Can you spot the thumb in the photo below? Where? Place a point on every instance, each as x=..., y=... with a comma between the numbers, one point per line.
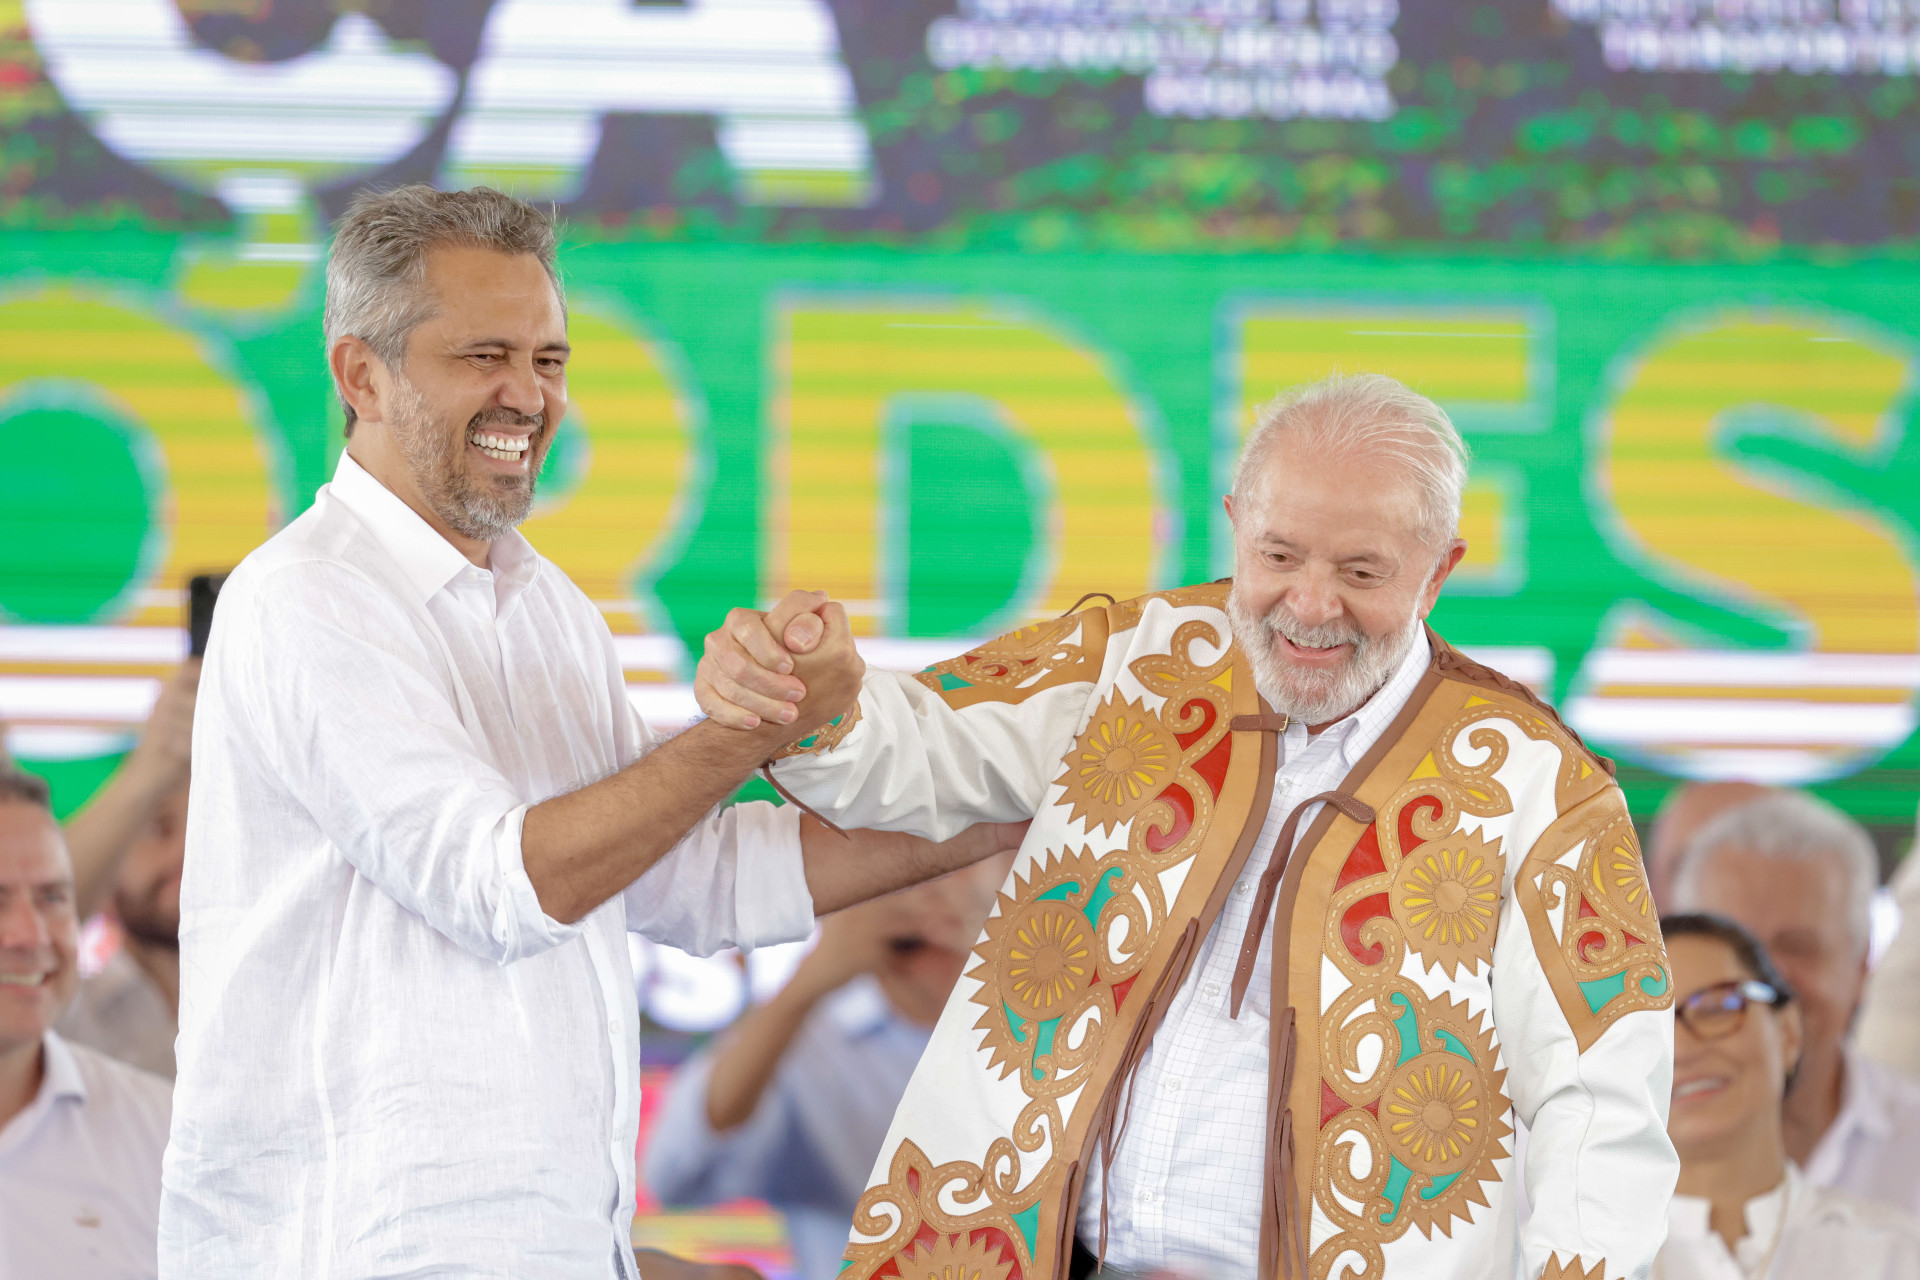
x=803, y=633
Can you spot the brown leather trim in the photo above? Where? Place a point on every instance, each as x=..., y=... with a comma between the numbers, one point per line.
x=1173, y=977
x=1272, y=1246
x=1450, y=662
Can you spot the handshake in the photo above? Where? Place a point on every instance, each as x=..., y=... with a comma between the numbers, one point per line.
x=780, y=674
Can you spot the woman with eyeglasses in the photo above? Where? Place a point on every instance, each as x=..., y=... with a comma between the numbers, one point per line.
x=1742, y=1211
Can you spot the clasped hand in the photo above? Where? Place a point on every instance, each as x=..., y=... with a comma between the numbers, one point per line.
x=782, y=673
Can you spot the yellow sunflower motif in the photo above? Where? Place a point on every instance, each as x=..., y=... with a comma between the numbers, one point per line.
x=1046, y=961
x=1620, y=881
x=954, y=1257
x=1446, y=898
x=1120, y=763
x=1435, y=1114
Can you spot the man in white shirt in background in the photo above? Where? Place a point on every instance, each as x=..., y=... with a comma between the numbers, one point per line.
x=80, y=1134
x=1800, y=875
x=424, y=816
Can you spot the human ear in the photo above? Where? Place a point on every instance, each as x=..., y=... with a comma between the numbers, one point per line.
x=357, y=375
x=1792, y=1040
x=1430, y=594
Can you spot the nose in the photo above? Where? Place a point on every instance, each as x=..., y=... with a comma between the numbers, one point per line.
x=22, y=928
x=1314, y=600
x=521, y=391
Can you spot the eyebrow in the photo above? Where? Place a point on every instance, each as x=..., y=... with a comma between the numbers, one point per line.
x=1275, y=540
x=563, y=345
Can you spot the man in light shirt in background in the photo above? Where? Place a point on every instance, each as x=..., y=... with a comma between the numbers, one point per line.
x=1800, y=875
x=80, y=1134
x=424, y=816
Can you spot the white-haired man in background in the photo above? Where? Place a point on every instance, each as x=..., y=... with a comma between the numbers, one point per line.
x=1313, y=910
x=1800, y=875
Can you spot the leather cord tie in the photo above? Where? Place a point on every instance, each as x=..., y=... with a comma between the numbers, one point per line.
x=766, y=771
x=1270, y=882
x=1265, y=722
x=1284, y=1187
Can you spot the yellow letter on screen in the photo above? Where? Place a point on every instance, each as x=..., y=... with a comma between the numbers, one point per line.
x=625, y=499
x=219, y=503
x=842, y=364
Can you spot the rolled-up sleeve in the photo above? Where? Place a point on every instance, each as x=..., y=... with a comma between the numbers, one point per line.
x=736, y=880
x=354, y=712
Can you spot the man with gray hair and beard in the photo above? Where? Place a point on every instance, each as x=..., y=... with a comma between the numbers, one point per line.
x=1312, y=913
x=1800, y=875
x=424, y=817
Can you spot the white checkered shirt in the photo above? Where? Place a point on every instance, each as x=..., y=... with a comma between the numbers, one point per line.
x=1185, y=1186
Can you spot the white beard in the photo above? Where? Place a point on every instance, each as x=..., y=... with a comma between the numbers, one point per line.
x=1306, y=695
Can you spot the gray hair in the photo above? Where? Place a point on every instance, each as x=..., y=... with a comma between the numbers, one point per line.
x=1790, y=824
x=1347, y=414
x=17, y=785
x=377, y=271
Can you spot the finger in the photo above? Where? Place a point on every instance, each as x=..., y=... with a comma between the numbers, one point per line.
x=791, y=606
x=775, y=709
x=720, y=711
x=756, y=634
x=740, y=666
x=804, y=632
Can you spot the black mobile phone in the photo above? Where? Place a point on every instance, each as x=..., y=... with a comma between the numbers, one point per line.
x=202, y=590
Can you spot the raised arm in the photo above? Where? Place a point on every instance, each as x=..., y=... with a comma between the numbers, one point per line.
x=976, y=739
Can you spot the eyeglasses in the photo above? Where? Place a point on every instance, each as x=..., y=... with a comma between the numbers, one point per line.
x=1720, y=1010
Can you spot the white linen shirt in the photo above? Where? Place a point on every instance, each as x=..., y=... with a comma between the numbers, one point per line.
x=1184, y=1189
x=392, y=1061
x=80, y=1171
x=1872, y=1148
x=1797, y=1231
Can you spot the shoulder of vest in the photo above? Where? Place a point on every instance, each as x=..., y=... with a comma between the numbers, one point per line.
x=1453, y=665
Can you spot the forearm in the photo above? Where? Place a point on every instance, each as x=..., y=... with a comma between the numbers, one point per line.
x=99, y=835
x=843, y=870
x=750, y=1053
x=582, y=848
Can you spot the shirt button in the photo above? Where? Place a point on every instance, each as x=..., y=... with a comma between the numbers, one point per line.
x=1173, y=1084
x=1241, y=888
x=1212, y=989
x=613, y=1026
x=1146, y=1195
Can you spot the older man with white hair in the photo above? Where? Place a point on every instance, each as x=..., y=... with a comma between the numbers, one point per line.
x=1800, y=875
x=1313, y=911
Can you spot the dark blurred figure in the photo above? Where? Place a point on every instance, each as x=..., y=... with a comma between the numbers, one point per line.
x=1800, y=875
x=81, y=1135
x=791, y=1105
x=1742, y=1210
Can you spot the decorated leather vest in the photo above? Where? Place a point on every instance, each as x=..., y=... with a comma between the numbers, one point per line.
x=1088, y=946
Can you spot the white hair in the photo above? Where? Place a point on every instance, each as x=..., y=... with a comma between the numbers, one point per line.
x=377, y=271
x=1346, y=415
x=1788, y=824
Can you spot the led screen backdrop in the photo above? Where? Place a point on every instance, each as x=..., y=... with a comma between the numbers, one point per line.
x=959, y=311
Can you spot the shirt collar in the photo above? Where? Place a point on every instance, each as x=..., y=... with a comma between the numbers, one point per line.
x=428, y=561
x=62, y=1078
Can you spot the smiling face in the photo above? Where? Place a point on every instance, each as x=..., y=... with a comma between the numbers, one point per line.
x=1726, y=1090
x=39, y=928
x=1331, y=576
x=460, y=431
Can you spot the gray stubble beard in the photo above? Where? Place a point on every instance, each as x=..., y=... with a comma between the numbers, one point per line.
x=478, y=511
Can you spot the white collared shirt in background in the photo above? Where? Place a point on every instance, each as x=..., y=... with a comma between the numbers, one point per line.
x=80, y=1171
x=1184, y=1191
x=1797, y=1231
x=1872, y=1149
x=391, y=1060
